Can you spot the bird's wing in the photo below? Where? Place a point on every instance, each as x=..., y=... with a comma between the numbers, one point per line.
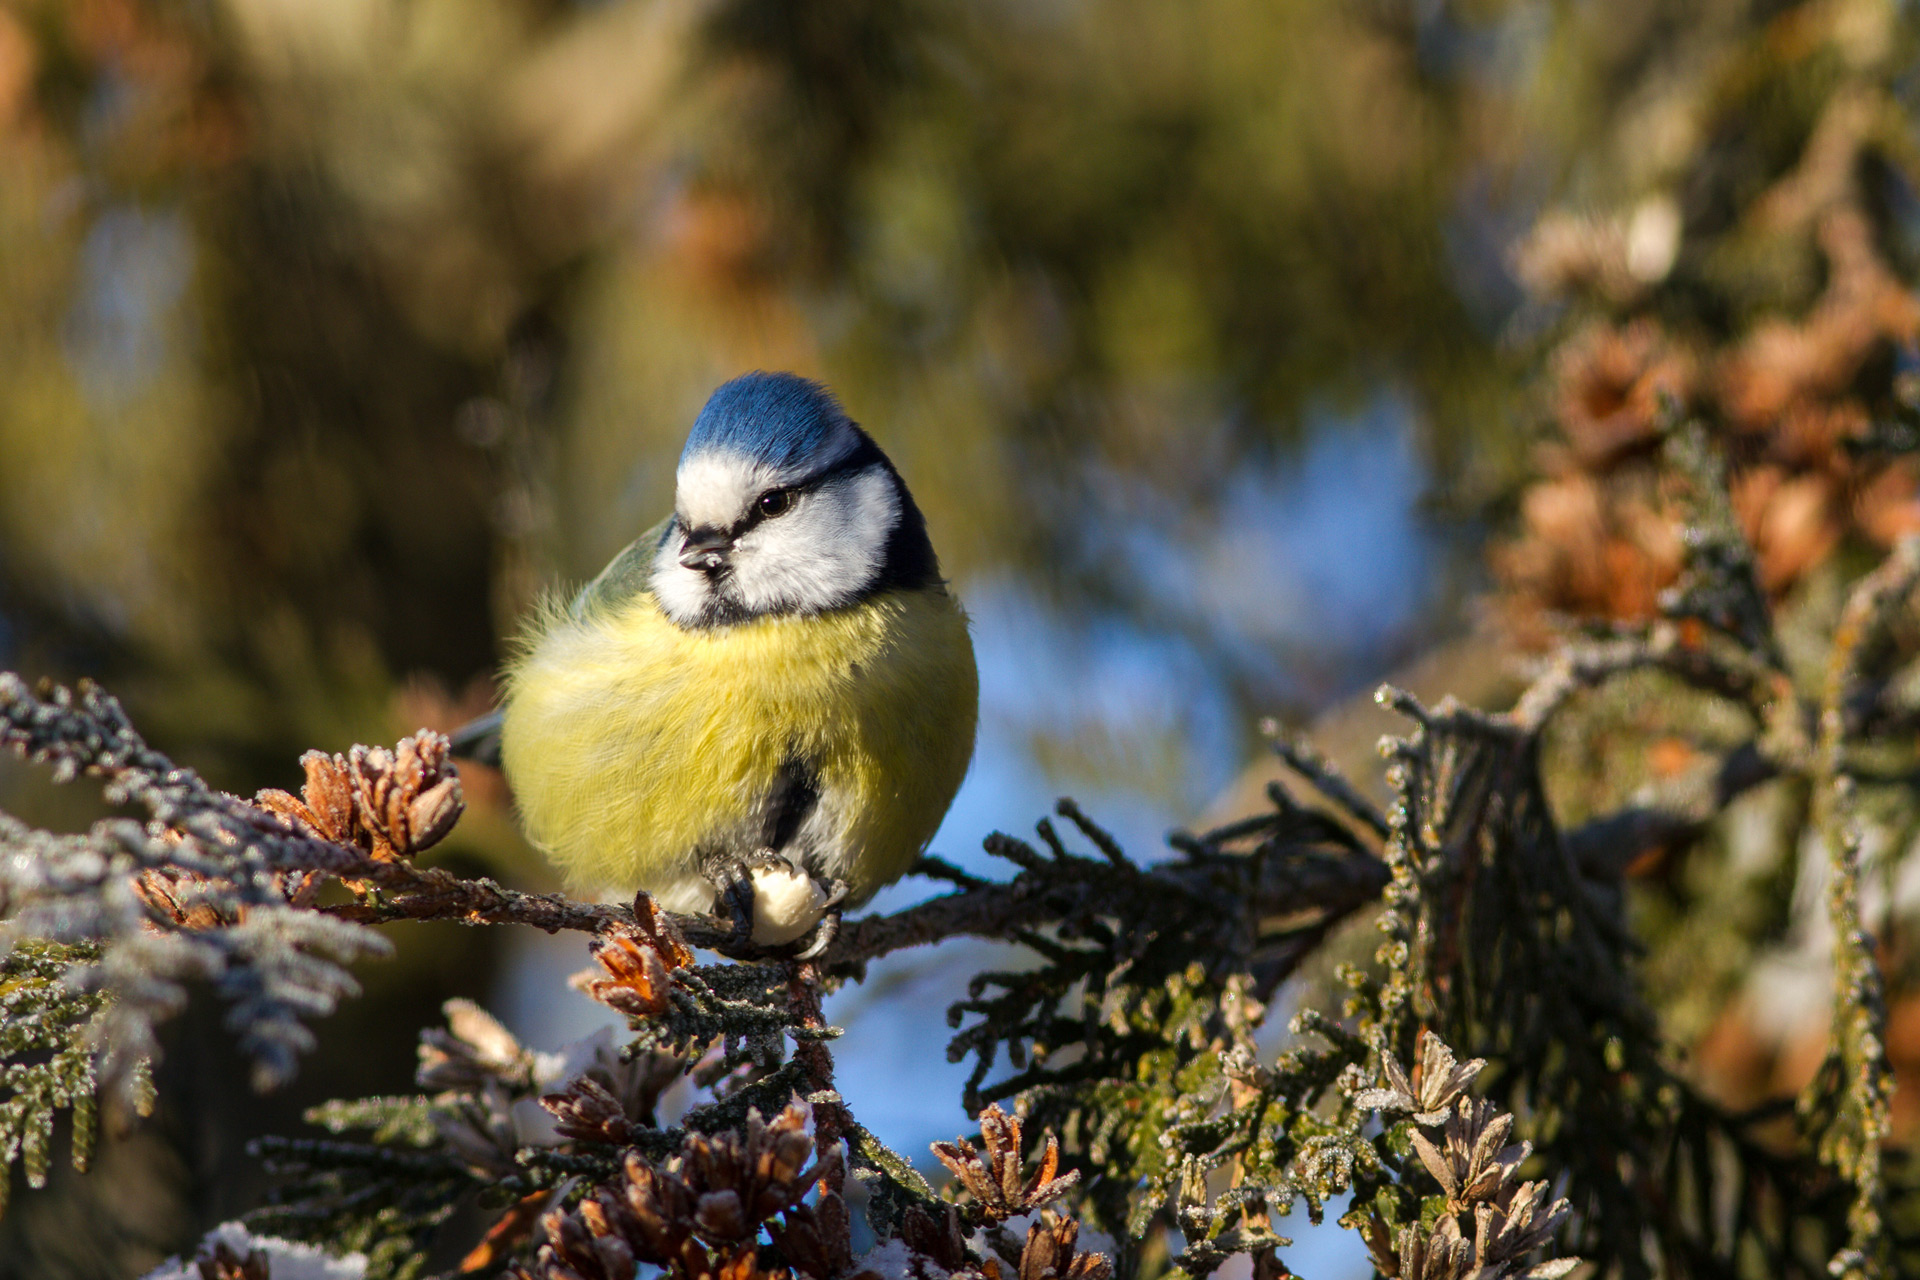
x=625, y=576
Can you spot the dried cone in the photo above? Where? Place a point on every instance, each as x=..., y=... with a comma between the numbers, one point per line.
x=699, y=1215
x=391, y=804
x=1782, y=364
x=941, y=1241
x=324, y=807
x=407, y=798
x=1612, y=384
x=223, y=1263
x=816, y=1239
x=474, y=1050
x=741, y=1180
x=638, y=963
x=1792, y=521
x=994, y=1179
x=1591, y=547
x=171, y=892
x=637, y=981
x=1050, y=1255
x=588, y=1112
x=1887, y=508
x=660, y=932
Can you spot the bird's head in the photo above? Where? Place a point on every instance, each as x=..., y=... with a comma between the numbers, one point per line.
x=783, y=505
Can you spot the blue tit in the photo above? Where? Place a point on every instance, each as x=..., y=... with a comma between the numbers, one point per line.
x=772, y=688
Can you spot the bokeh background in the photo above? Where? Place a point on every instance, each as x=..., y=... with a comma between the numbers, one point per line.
x=1240, y=352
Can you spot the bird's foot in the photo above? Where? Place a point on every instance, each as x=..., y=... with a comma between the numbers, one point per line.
x=732, y=875
x=771, y=904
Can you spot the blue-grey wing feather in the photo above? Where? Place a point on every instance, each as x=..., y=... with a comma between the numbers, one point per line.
x=627, y=575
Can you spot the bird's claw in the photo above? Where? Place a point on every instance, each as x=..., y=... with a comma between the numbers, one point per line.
x=815, y=942
x=738, y=897
x=732, y=878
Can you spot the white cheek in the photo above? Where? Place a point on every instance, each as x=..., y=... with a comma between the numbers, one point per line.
x=822, y=554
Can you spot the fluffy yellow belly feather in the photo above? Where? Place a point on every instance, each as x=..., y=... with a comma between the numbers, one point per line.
x=633, y=743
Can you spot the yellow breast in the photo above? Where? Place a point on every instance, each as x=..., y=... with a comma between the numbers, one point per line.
x=631, y=743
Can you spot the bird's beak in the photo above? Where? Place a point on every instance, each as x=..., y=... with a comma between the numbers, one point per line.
x=706, y=549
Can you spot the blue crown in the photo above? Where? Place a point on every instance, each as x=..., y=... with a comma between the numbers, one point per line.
x=777, y=419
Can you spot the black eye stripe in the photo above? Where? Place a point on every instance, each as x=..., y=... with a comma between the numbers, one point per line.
x=862, y=456
x=757, y=513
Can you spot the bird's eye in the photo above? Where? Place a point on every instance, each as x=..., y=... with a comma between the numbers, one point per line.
x=776, y=503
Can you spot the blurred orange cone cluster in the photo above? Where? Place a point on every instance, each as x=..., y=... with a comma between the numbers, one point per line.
x=1792, y=401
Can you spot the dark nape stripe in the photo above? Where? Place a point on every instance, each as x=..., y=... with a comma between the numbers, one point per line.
x=909, y=562
x=863, y=455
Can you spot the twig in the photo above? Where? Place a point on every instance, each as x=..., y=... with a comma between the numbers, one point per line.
x=1325, y=776
x=430, y=893
x=1732, y=674
x=1333, y=886
x=1102, y=841
x=1852, y=1141
x=830, y=1119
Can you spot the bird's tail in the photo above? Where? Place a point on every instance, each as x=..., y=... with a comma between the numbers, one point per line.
x=478, y=740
